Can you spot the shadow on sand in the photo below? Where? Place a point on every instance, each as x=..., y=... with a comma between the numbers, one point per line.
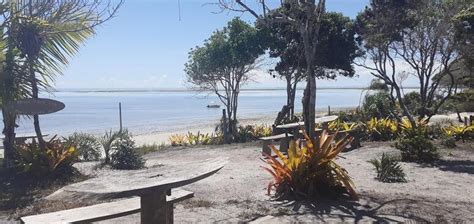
x=457, y=166
x=353, y=211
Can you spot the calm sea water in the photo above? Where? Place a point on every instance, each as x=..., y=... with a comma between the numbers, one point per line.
x=145, y=112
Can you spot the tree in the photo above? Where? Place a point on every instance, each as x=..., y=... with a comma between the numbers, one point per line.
x=418, y=34
x=305, y=16
x=337, y=48
x=223, y=63
x=40, y=36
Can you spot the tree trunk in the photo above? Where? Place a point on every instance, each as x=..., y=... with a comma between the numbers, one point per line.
x=309, y=106
x=9, y=119
x=9, y=140
x=35, y=93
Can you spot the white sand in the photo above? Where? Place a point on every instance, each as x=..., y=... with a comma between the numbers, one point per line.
x=237, y=193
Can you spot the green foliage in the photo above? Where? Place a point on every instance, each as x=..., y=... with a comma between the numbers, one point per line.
x=106, y=141
x=463, y=133
x=379, y=105
x=415, y=145
x=381, y=129
x=449, y=141
x=87, y=145
x=125, y=156
x=145, y=149
x=388, y=169
x=378, y=84
x=56, y=160
x=250, y=133
x=412, y=102
x=196, y=139
x=310, y=171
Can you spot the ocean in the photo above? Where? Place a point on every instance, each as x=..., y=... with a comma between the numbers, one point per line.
x=155, y=111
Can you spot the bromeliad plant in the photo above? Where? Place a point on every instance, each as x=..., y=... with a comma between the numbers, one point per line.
x=460, y=132
x=56, y=158
x=310, y=171
x=339, y=125
x=381, y=129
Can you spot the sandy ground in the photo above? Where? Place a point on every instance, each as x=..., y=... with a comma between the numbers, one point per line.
x=237, y=193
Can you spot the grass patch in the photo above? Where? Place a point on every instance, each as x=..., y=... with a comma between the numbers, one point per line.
x=145, y=149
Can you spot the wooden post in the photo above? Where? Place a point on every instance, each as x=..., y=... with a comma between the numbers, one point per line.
x=153, y=208
x=329, y=110
x=465, y=121
x=120, y=116
x=225, y=127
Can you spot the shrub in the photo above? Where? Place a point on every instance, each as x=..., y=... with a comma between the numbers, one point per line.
x=460, y=132
x=244, y=134
x=378, y=105
x=338, y=125
x=87, y=145
x=125, y=156
x=310, y=171
x=145, y=149
x=381, y=129
x=412, y=102
x=57, y=159
x=449, y=142
x=107, y=140
x=388, y=169
x=178, y=140
x=414, y=144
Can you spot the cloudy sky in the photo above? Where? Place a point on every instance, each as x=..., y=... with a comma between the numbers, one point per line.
x=147, y=44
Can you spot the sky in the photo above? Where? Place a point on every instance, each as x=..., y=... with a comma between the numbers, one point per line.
x=146, y=45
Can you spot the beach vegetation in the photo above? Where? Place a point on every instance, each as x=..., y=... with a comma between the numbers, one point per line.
x=57, y=160
x=107, y=141
x=463, y=132
x=388, y=169
x=337, y=48
x=338, y=125
x=310, y=171
x=223, y=64
x=38, y=38
x=414, y=143
x=88, y=146
x=149, y=148
x=178, y=140
x=414, y=33
x=379, y=105
x=383, y=129
x=125, y=156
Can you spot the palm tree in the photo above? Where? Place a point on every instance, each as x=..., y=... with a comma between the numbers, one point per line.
x=44, y=34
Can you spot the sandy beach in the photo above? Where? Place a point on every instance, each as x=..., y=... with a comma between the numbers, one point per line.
x=159, y=137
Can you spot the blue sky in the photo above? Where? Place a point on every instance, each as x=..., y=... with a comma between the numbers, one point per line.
x=146, y=46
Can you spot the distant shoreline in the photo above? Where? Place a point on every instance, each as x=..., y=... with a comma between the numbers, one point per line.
x=193, y=90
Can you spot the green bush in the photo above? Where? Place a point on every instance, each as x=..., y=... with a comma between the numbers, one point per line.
x=145, y=149
x=388, y=169
x=124, y=155
x=87, y=145
x=449, y=141
x=378, y=105
x=417, y=148
x=412, y=102
x=56, y=160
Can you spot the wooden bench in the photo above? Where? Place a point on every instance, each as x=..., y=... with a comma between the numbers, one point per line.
x=284, y=142
x=105, y=211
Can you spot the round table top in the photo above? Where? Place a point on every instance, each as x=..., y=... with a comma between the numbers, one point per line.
x=139, y=182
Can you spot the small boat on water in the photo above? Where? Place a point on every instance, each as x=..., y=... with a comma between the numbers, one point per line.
x=213, y=105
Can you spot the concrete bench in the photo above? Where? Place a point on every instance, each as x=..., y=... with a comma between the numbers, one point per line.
x=284, y=142
x=104, y=211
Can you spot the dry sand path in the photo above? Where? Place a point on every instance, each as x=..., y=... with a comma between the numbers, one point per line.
x=237, y=193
